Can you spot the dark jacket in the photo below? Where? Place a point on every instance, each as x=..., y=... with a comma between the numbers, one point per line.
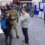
x=9, y=25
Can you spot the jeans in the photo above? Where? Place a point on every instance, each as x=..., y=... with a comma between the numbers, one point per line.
x=15, y=27
x=25, y=33
x=8, y=38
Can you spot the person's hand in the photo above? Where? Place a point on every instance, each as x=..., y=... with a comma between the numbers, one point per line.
x=12, y=18
x=12, y=30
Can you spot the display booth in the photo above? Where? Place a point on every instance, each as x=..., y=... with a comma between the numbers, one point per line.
x=0, y=29
x=41, y=10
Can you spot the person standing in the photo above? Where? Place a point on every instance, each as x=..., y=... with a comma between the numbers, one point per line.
x=6, y=26
x=14, y=17
x=24, y=23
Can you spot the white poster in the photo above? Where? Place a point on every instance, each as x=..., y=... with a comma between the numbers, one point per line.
x=41, y=5
x=37, y=6
x=3, y=3
x=44, y=6
x=0, y=29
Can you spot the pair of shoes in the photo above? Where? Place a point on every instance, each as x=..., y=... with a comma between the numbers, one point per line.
x=26, y=44
x=23, y=43
x=17, y=36
x=23, y=40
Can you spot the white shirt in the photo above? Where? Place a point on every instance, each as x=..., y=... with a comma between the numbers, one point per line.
x=25, y=20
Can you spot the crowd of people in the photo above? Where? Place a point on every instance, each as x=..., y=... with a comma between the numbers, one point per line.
x=9, y=20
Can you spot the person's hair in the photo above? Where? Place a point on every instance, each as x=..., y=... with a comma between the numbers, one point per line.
x=26, y=8
x=5, y=13
x=14, y=8
x=21, y=9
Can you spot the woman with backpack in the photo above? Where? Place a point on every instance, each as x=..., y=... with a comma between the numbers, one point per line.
x=6, y=26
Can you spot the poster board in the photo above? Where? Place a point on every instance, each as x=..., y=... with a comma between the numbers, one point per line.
x=41, y=5
x=44, y=7
x=3, y=3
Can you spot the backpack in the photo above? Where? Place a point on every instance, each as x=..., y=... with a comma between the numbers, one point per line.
x=3, y=23
x=9, y=23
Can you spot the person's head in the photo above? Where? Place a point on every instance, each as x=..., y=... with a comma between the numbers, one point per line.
x=24, y=9
x=14, y=8
x=27, y=9
x=6, y=14
x=3, y=14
